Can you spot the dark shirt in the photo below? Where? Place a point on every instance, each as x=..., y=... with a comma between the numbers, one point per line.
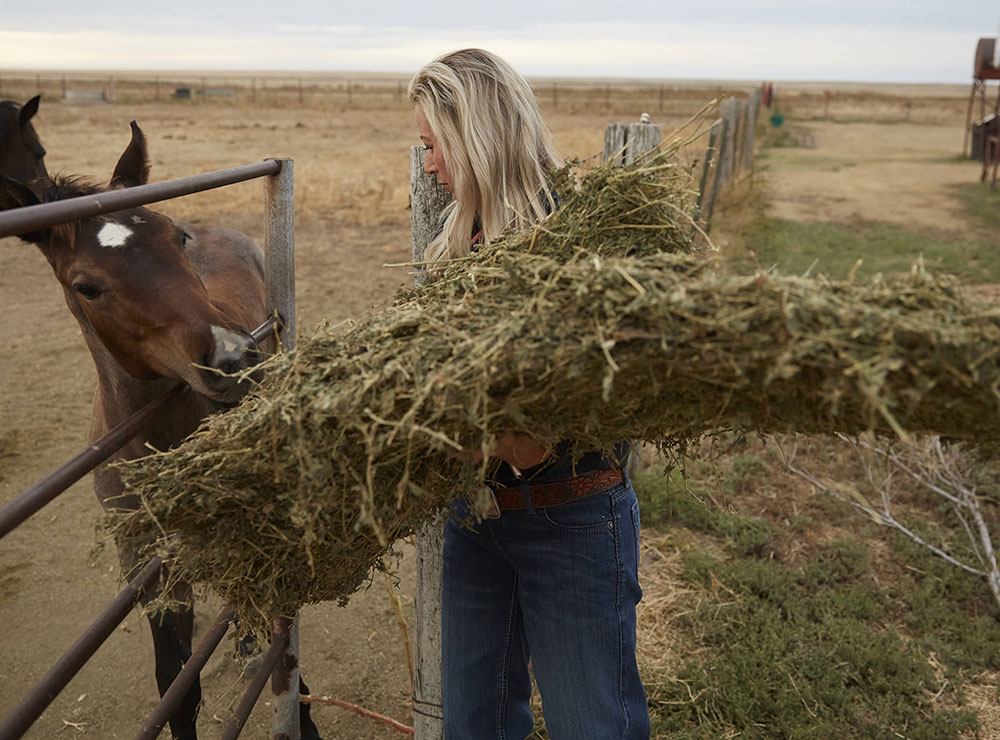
x=561, y=465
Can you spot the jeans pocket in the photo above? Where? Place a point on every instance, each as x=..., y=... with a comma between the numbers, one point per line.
x=592, y=514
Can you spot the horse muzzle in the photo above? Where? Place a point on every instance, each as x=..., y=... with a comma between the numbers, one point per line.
x=223, y=370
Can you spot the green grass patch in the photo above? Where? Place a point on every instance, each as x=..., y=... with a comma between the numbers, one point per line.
x=982, y=203
x=795, y=247
x=948, y=610
x=670, y=500
x=799, y=653
x=820, y=649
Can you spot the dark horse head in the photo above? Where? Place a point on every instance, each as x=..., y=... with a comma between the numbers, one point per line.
x=22, y=156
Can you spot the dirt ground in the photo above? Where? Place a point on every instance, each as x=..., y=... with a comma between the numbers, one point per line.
x=56, y=572
x=901, y=173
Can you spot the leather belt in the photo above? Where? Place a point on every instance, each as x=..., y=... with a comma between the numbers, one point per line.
x=543, y=495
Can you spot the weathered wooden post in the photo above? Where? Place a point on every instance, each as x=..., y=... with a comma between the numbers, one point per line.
x=626, y=142
x=724, y=149
x=427, y=200
x=706, y=196
x=753, y=112
x=279, y=271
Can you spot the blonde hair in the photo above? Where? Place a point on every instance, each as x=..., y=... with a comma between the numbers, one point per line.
x=496, y=145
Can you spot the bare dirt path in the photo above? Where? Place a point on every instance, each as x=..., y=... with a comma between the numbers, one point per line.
x=905, y=174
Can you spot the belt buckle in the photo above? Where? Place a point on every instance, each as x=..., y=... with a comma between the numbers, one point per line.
x=484, y=503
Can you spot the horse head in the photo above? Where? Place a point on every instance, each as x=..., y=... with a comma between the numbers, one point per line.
x=22, y=156
x=161, y=299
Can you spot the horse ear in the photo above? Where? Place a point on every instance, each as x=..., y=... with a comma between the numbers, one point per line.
x=28, y=110
x=14, y=194
x=133, y=167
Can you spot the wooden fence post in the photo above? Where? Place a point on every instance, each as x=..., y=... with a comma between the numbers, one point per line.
x=427, y=200
x=626, y=142
x=753, y=112
x=279, y=271
x=731, y=145
x=704, y=210
x=724, y=149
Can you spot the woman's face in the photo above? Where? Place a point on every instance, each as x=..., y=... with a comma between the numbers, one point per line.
x=434, y=163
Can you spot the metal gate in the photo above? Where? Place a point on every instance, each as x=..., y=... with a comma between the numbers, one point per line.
x=281, y=659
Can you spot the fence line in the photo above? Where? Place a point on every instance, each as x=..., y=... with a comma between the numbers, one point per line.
x=730, y=152
x=662, y=98
x=279, y=286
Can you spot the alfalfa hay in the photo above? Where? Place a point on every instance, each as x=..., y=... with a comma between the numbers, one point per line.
x=600, y=325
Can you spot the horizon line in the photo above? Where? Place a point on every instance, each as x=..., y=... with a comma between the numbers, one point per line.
x=399, y=75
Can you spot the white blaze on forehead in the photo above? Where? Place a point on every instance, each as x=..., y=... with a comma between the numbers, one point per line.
x=113, y=234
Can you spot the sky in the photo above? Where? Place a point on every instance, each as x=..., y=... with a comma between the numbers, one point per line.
x=830, y=40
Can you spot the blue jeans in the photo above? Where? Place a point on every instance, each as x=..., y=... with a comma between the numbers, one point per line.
x=559, y=585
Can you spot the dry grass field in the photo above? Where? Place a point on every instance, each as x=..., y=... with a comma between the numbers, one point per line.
x=352, y=182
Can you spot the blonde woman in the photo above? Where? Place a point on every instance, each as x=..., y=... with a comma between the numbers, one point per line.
x=553, y=577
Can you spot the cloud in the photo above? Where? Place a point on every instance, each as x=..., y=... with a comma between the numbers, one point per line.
x=719, y=50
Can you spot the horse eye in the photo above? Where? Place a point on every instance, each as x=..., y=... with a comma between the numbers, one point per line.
x=87, y=291
x=185, y=238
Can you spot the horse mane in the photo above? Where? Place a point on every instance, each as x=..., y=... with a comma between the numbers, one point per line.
x=61, y=187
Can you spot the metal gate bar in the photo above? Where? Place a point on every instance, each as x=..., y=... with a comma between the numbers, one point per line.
x=279, y=641
x=32, y=706
x=17, y=511
x=31, y=218
x=172, y=697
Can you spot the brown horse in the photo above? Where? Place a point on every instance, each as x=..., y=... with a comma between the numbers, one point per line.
x=22, y=156
x=158, y=302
